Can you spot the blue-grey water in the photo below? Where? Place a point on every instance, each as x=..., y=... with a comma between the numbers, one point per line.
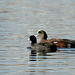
x=21, y=18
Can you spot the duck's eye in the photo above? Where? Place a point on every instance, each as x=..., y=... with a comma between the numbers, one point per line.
x=39, y=32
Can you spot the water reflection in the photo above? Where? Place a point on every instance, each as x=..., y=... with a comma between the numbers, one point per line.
x=37, y=67
x=51, y=63
x=34, y=54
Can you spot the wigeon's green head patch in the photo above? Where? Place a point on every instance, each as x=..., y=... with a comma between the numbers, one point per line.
x=41, y=32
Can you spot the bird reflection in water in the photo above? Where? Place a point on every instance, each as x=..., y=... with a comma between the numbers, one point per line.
x=34, y=54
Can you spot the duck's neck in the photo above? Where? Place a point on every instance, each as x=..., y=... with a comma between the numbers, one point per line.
x=43, y=38
x=33, y=42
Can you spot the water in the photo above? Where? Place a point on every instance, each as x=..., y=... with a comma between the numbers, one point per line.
x=21, y=18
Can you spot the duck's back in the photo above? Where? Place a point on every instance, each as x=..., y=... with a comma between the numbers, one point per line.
x=44, y=47
x=61, y=43
x=58, y=42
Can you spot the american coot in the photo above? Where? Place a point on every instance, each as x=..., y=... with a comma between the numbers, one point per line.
x=60, y=43
x=41, y=47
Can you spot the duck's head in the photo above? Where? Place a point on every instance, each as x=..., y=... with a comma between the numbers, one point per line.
x=33, y=39
x=42, y=34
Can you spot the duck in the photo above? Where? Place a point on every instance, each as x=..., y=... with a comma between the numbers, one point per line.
x=60, y=43
x=41, y=47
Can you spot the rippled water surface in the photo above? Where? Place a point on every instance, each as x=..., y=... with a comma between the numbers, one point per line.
x=21, y=18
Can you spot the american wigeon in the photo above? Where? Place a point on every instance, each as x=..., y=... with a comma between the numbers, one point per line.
x=60, y=43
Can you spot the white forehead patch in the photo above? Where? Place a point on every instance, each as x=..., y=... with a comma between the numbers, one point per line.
x=39, y=30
